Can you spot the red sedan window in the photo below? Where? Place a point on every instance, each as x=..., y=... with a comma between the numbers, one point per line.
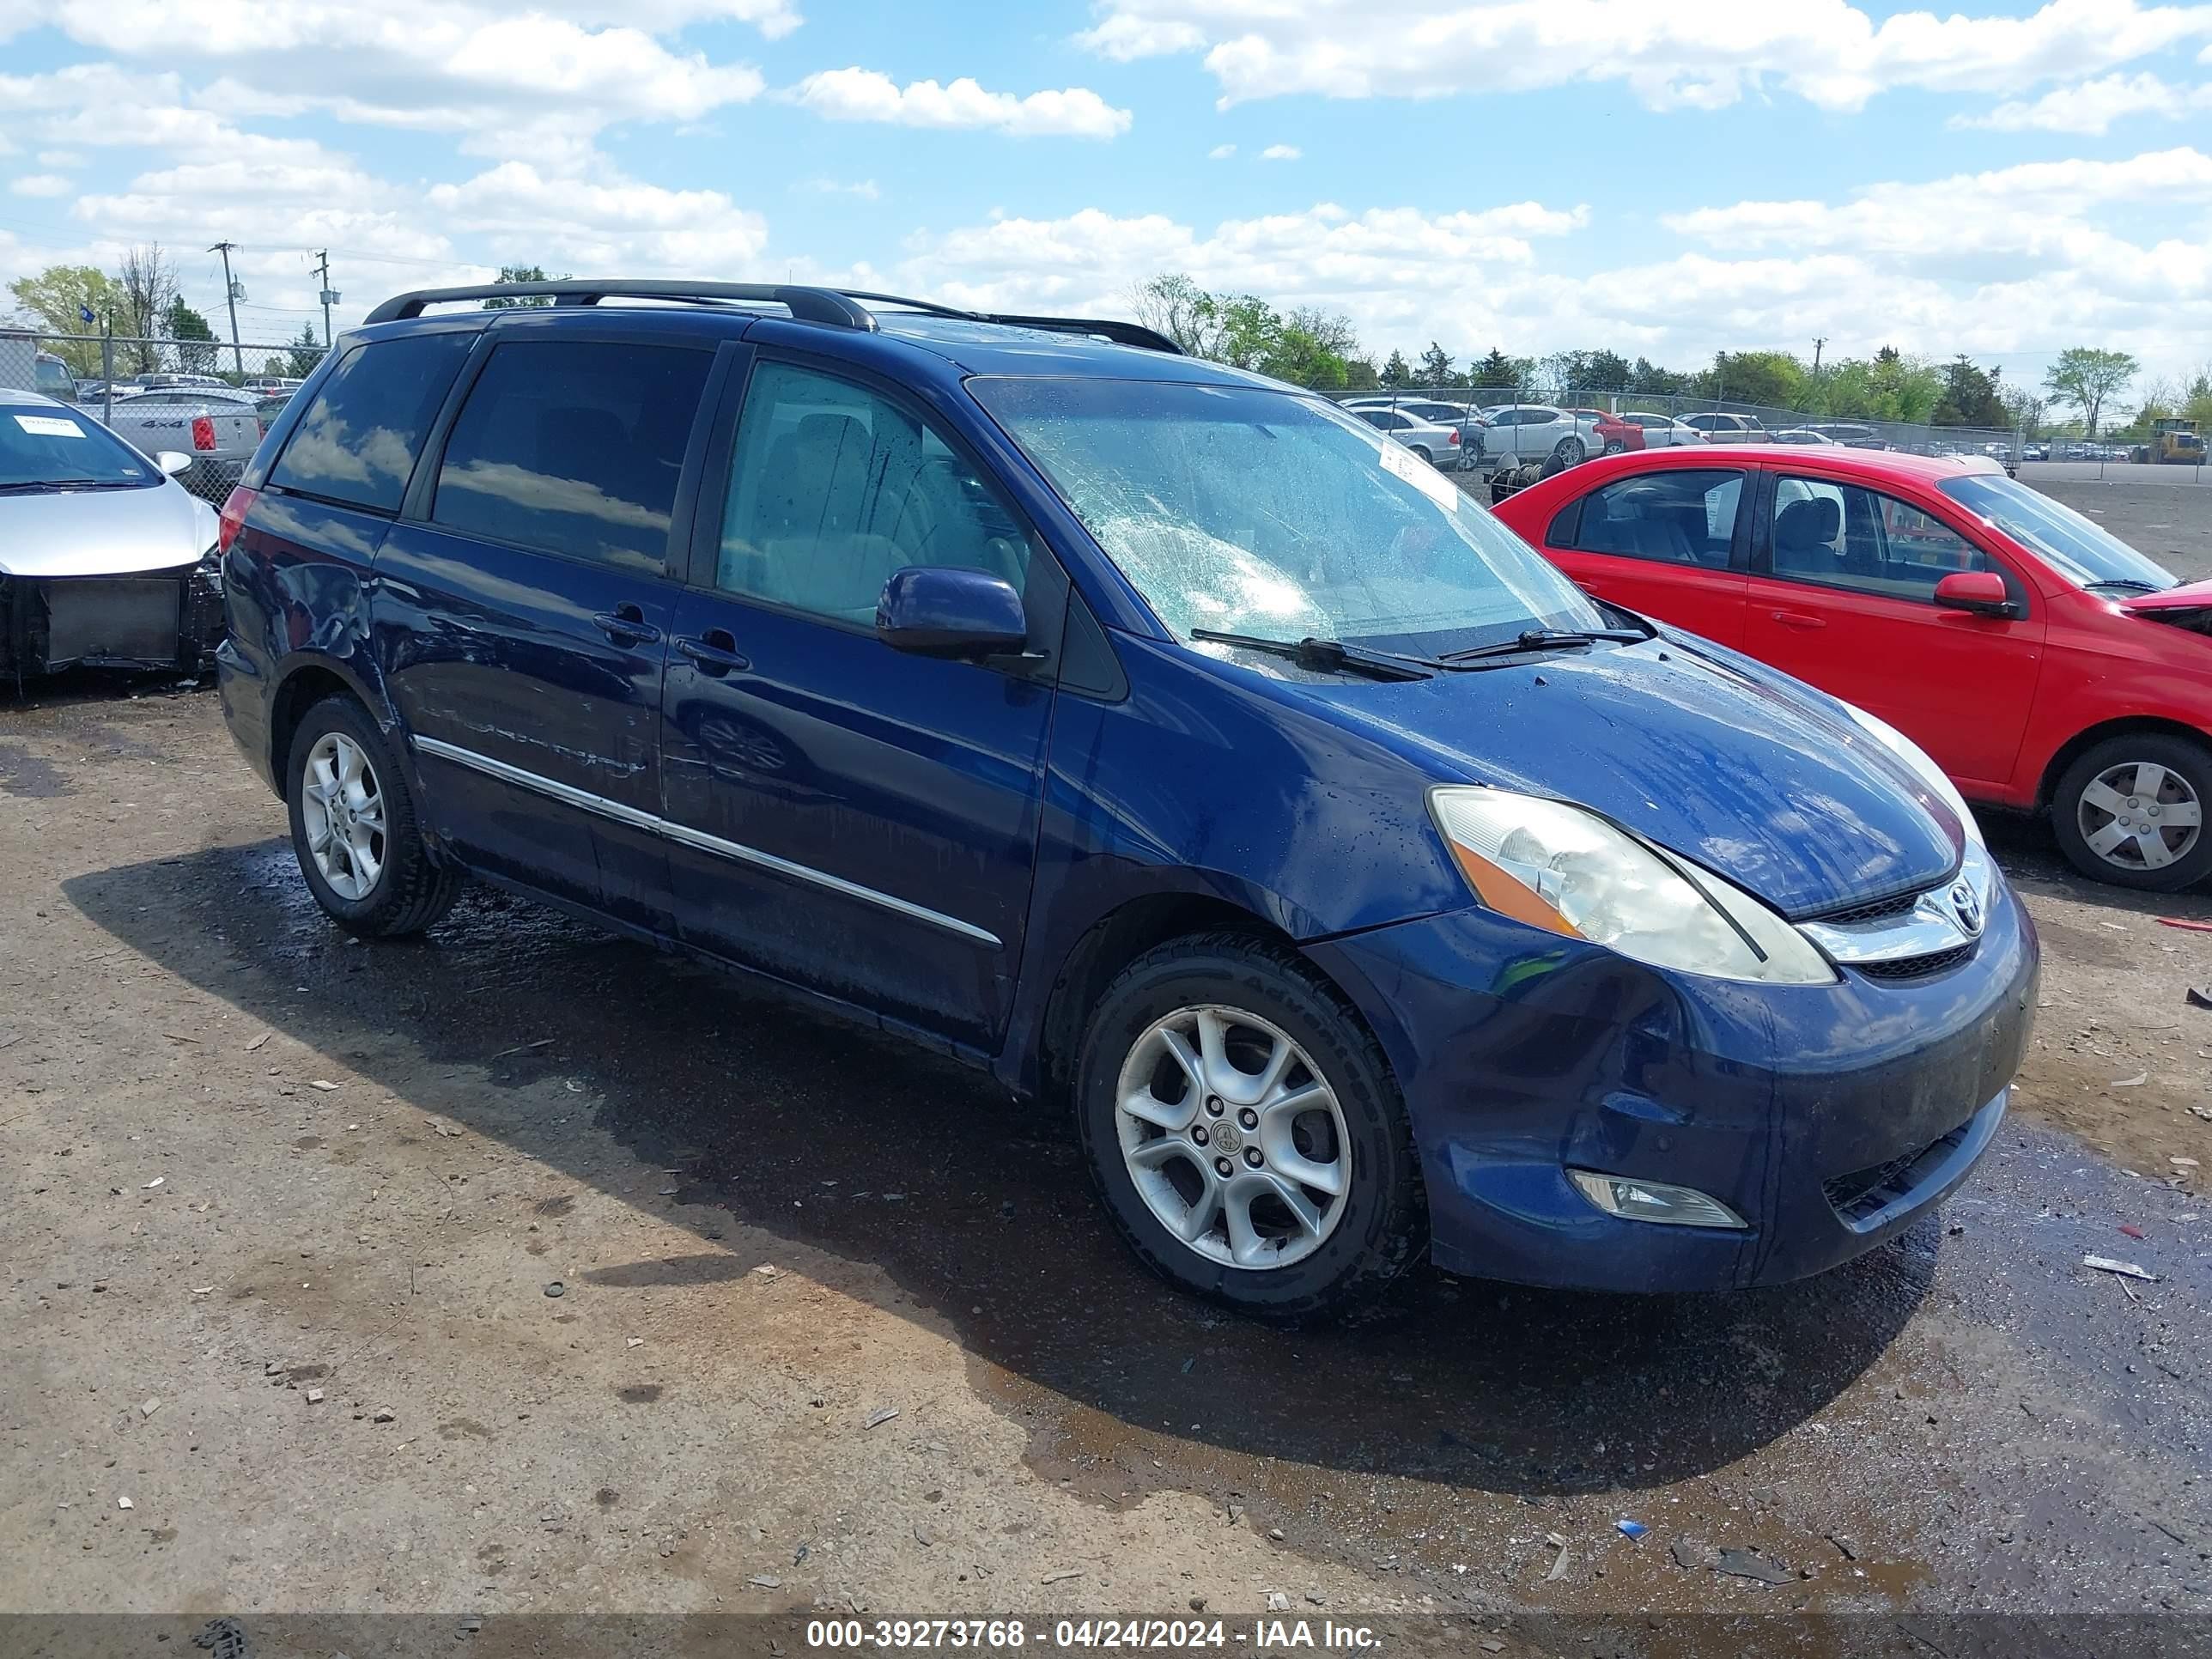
x=1843, y=535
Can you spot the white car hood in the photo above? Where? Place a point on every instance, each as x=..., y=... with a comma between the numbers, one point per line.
x=104, y=533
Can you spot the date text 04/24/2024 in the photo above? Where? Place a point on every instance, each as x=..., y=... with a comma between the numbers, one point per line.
x=1001, y=1635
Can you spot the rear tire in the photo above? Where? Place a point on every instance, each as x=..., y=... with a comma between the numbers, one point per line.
x=1220, y=1180
x=1570, y=451
x=354, y=829
x=1423, y=453
x=2113, y=830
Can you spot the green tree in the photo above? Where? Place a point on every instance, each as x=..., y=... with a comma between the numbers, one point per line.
x=54, y=301
x=1647, y=377
x=1435, y=366
x=2197, y=398
x=1397, y=372
x=307, y=352
x=1359, y=374
x=1773, y=379
x=1173, y=305
x=2085, y=376
x=1970, y=396
x=195, y=351
x=1587, y=371
x=524, y=274
x=1496, y=370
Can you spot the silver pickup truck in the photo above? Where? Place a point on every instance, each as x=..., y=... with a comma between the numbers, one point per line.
x=217, y=427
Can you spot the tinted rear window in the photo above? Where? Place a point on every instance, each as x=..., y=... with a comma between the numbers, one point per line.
x=358, y=440
x=574, y=447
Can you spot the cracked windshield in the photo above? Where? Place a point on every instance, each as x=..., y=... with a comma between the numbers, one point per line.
x=1244, y=510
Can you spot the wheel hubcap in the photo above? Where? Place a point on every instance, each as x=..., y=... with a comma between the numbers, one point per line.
x=1232, y=1137
x=343, y=810
x=2140, y=816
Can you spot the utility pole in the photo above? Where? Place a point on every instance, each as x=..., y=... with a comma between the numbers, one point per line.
x=230, y=293
x=1817, y=344
x=329, y=294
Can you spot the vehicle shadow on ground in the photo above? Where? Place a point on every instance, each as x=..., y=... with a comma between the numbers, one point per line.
x=793, y=1128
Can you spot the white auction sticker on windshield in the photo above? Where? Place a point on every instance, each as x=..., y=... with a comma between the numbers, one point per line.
x=49, y=426
x=1418, y=473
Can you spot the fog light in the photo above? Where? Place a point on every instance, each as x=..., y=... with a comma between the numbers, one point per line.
x=1653, y=1200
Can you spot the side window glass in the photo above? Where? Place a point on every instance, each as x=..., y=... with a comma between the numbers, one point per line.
x=1845, y=536
x=574, y=446
x=833, y=490
x=359, y=438
x=1672, y=517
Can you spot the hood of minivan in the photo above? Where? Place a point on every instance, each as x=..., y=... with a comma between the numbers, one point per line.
x=1733, y=766
x=103, y=532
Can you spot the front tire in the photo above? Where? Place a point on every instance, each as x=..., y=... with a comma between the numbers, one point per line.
x=2130, y=811
x=354, y=829
x=1245, y=1132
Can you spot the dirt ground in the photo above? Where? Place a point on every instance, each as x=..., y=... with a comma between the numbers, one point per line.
x=284, y=1217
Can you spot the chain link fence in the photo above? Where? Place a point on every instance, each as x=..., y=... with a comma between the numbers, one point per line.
x=207, y=400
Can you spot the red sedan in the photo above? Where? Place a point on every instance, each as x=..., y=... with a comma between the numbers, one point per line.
x=2044, y=663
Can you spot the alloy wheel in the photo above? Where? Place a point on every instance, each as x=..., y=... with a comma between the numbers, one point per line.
x=2140, y=815
x=343, y=809
x=1233, y=1138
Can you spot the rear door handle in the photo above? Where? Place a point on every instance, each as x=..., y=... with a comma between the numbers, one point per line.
x=1799, y=619
x=625, y=625
x=716, y=653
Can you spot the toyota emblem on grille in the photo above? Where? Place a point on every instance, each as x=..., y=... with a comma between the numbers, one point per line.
x=1967, y=905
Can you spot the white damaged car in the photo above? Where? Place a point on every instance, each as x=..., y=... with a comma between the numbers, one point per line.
x=105, y=559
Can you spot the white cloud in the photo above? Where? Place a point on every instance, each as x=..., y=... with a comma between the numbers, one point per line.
x=1281, y=153
x=60, y=158
x=597, y=226
x=865, y=189
x=1701, y=53
x=860, y=95
x=2091, y=107
x=1221, y=152
x=40, y=184
x=538, y=85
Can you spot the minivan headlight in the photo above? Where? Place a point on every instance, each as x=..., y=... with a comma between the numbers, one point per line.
x=1560, y=867
x=1920, y=764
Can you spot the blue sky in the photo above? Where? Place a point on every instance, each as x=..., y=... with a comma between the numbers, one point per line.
x=1668, y=179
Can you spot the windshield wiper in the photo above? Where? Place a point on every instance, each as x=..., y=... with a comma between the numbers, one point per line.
x=1329, y=656
x=1545, y=639
x=2134, y=582
x=65, y=484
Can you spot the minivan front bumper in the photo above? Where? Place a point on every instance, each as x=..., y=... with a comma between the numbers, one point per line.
x=1828, y=1117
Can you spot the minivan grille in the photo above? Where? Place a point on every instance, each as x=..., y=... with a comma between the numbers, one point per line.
x=1935, y=962
x=1883, y=909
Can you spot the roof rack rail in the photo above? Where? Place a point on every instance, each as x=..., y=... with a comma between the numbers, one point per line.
x=1127, y=334
x=840, y=308
x=813, y=305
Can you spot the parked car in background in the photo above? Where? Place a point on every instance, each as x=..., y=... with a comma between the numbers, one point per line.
x=263, y=385
x=2036, y=453
x=216, y=426
x=1439, y=445
x=1519, y=433
x=1612, y=434
x=1724, y=428
x=1661, y=431
x=1178, y=754
x=2046, y=665
x=1804, y=435
x=1469, y=424
x=105, y=560
x=1851, y=434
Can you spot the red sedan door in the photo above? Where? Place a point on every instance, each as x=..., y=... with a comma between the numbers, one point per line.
x=1842, y=593
x=1671, y=541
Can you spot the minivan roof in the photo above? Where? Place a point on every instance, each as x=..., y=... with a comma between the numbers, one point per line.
x=972, y=341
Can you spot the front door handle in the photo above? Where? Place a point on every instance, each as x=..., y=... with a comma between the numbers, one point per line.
x=625, y=625
x=1799, y=619
x=715, y=651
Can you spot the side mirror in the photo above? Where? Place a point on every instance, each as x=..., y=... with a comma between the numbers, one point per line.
x=940, y=610
x=1981, y=591
x=172, y=461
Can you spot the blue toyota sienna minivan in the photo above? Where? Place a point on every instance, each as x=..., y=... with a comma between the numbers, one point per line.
x=1169, y=746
